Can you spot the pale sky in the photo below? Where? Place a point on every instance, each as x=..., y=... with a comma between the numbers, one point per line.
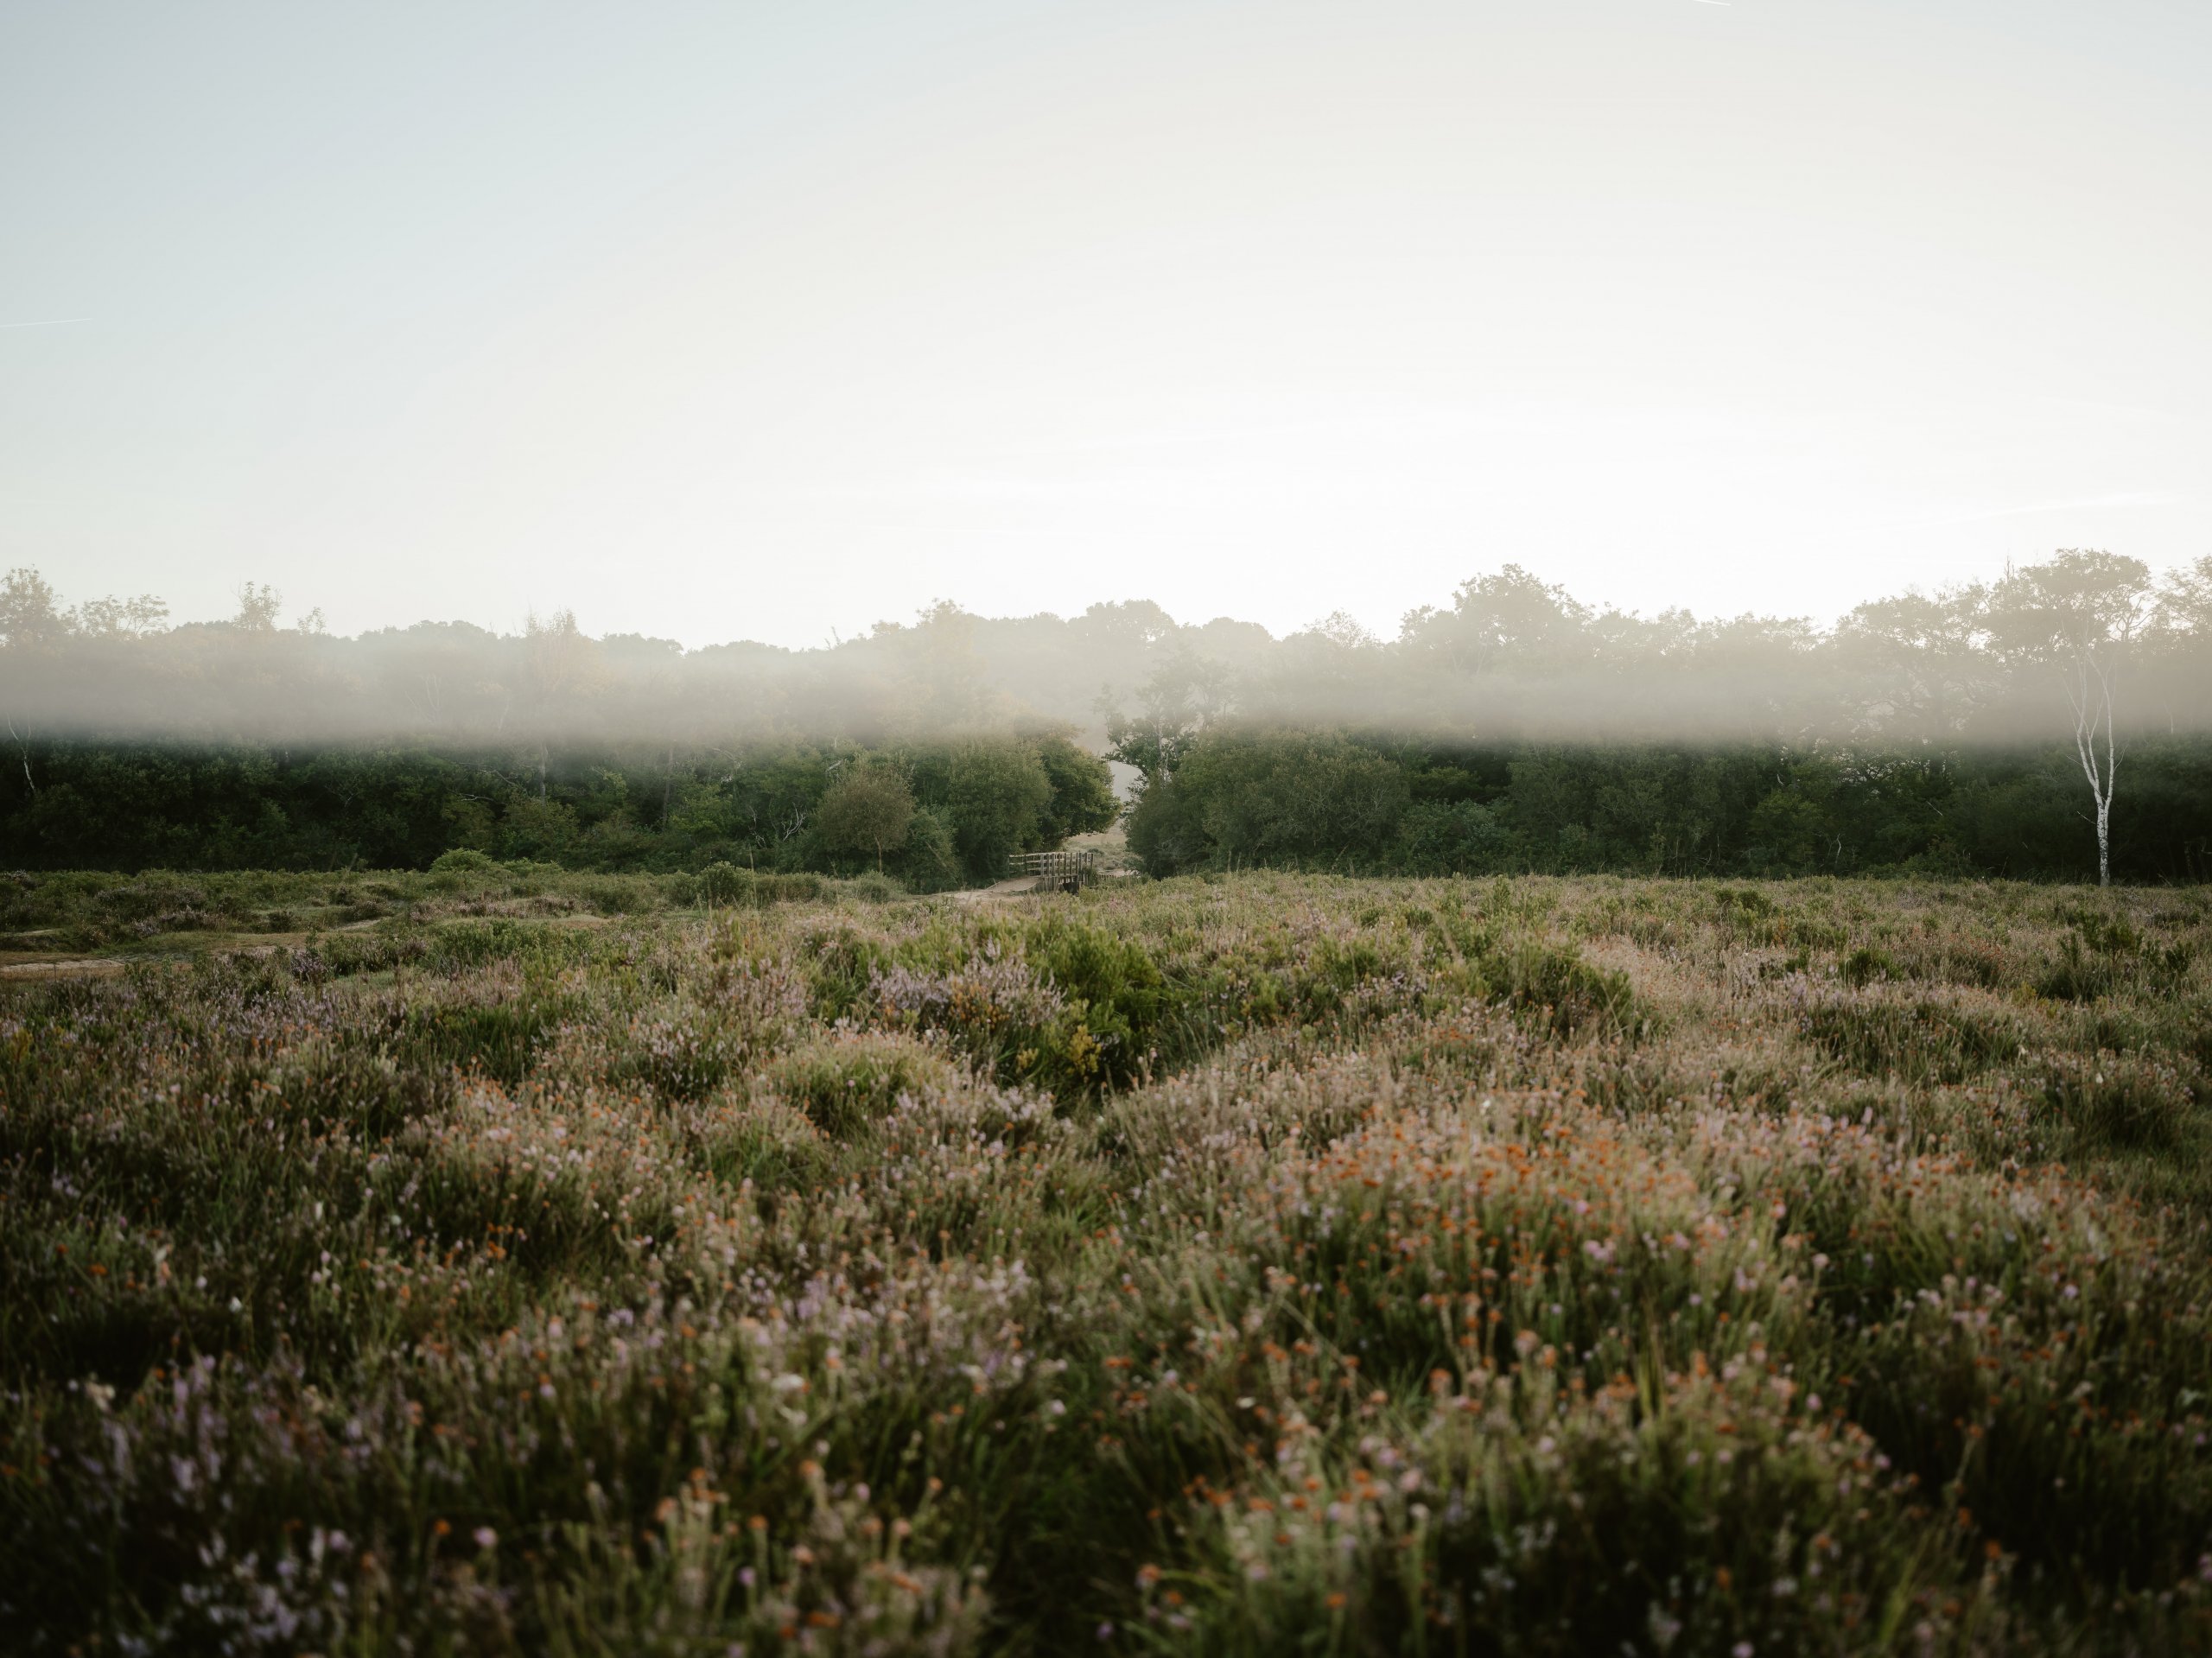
x=759, y=320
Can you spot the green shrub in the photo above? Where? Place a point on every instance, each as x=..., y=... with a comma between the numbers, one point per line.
x=1115, y=981
x=1551, y=984
x=841, y=965
x=2113, y=1100
x=1745, y=907
x=500, y=1039
x=848, y=1081
x=769, y=1142
x=725, y=883
x=463, y=860
x=1918, y=1039
x=2078, y=973
x=617, y=894
x=1867, y=963
x=344, y=953
x=457, y=946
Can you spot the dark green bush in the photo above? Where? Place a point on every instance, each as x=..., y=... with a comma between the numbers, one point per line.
x=850, y=1080
x=1553, y=983
x=462, y=860
x=1919, y=1040
x=1867, y=963
x=725, y=883
x=2112, y=1099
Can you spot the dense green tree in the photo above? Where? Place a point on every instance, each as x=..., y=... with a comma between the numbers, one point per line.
x=997, y=794
x=1510, y=619
x=1083, y=798
x=1451, y=837
x=1165, y=835
x=28, y=612
x=2079, y=614
x=868, y=811
x=1293, y=797
x=928, y=860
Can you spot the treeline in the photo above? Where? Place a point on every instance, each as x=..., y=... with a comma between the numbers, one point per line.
x=1509, y=658
x=1325, y=799
x=932, y=815
x=948, y=814
x=2052, y=721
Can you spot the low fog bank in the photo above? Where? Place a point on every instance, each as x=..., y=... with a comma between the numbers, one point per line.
x=1508, y=658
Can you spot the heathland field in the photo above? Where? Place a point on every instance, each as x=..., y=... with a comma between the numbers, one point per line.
x=497, y=1261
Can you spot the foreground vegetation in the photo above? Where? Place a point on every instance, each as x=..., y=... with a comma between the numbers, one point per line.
x=501, y=1261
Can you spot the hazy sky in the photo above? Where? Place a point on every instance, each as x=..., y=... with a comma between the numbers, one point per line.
x=751, y=320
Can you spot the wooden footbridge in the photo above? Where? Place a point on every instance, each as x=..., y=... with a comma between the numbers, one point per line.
x=1053, y=872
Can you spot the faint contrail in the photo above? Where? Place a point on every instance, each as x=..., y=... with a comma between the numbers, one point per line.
x=50, y=322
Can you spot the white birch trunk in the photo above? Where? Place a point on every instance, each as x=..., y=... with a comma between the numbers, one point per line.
x=23, y=742
x=2089, y=690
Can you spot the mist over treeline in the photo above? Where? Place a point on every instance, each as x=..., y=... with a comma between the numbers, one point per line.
x=1509, y=657
x=2052, y=721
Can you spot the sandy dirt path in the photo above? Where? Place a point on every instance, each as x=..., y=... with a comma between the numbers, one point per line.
x=72, y=967
x=1020, y=886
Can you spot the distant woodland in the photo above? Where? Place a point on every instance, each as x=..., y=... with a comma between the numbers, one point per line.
x=2054, y=722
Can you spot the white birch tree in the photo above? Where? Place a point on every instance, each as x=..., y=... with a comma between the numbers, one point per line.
x=2078, y=613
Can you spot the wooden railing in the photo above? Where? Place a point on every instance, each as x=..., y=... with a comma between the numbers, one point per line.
x=1056, y=869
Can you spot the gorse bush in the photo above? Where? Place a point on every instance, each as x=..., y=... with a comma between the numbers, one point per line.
x=1244, y=1264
